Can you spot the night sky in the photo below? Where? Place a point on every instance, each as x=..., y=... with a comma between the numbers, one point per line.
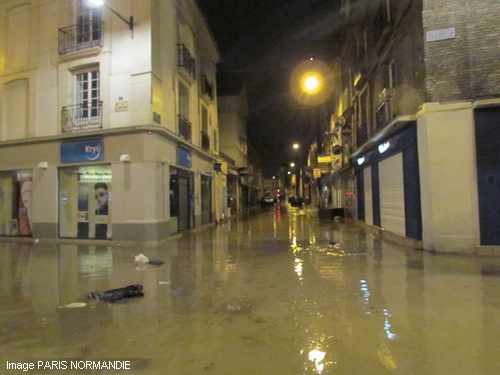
x=261, y=41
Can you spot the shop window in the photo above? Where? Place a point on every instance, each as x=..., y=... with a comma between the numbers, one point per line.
x=15, y=203
x=173, y=193
x=85, y=199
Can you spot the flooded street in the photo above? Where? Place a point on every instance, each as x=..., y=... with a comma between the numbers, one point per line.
x=281, y=293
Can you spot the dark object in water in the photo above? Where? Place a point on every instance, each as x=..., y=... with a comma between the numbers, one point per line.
x=114, y=295
x=155, y=261
x=332, y=243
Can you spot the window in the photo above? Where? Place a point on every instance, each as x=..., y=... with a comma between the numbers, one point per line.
x=88, y=23
x=205, y=138
x=388, y=74
x=88, y=94
x=15, y=203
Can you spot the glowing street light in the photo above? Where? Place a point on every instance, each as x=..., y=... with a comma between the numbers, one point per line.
x=295, y=146
x=292, y=164
x=101, y=3
x=310, y=82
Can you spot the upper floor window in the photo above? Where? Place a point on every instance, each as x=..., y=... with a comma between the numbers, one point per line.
x=88, y=92
x=86, y=112
x=86, y=33
x=88, y=21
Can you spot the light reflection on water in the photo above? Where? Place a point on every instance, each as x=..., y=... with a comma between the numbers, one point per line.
x=270, y=295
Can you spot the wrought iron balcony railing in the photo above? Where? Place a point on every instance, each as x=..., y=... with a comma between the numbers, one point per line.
x=205, y=141
x=81, y=117
x=185, y=128
x=186, y=60
x=81, y=36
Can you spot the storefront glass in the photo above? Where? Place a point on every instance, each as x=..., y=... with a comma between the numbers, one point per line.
x=15, y=203
x=85, y=199
x=206, y=199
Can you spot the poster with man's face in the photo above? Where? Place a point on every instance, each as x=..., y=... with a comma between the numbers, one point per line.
x=102, y=197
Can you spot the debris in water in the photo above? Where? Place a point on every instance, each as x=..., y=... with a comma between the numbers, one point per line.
x=141, y=259
x=73, y=305
x=155, y=261
x=115, y=295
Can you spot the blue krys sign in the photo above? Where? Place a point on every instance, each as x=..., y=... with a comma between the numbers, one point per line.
x=184, y=157
x=82, y=151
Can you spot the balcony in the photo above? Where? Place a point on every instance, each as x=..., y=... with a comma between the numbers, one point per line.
x=186, y=60
x=81, y=117
x=385, y=110
x=184, y=128
x=79, y=37
x=205, y=141
x=206, y=87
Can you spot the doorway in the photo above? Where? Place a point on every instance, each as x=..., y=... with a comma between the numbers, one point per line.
x=85, y=195
x=487, y=122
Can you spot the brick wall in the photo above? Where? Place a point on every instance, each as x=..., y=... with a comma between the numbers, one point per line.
x=465, y=66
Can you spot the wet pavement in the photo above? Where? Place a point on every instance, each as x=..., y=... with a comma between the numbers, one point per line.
x=280, y=293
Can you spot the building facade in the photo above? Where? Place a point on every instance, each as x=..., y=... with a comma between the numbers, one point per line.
x=108, y=119
x=417, y=114
x=243, y=183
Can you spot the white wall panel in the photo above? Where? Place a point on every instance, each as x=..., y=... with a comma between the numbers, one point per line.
x=392, y=203
x=367, y=186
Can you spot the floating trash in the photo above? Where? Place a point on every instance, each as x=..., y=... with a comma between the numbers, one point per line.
x=155, y=261
x=115, y=295
x=73, y=305
x=141, y=259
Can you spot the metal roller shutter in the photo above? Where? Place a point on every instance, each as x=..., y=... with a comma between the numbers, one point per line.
x=367, y=182
x=392, y=202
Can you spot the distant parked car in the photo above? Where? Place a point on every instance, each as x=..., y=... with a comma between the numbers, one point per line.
x=296, y=201
x=267, y=200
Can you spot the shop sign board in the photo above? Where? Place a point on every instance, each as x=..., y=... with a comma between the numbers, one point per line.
x=82, y=151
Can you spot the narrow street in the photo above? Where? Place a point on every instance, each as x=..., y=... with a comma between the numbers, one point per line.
x=279, y=293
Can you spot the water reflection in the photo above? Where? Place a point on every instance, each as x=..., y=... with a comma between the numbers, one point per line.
x=316, y=298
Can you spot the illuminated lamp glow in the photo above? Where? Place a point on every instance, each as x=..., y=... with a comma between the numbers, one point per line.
x=360, y=160
x=311, y=83
x=384, y=147
x=96, y=3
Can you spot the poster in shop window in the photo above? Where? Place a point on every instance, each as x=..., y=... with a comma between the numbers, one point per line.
x=24, y=207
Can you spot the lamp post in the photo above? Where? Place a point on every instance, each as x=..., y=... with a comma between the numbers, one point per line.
x=101, y=3
x=311, y=84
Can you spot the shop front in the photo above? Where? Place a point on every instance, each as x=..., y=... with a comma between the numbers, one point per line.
x=388, y=184
x=15, y=202
x=124, y=185
x=85, y=202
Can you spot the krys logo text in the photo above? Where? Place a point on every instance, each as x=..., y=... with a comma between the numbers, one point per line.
x=93, y=152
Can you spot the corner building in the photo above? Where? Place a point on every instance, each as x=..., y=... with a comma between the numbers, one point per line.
x=418, y=108
x=108, y=119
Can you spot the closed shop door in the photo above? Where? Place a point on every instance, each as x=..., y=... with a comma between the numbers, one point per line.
x=367, y=183
x=392, y=204
x=488, y=173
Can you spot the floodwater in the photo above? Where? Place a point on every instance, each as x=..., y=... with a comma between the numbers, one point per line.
x=280, y=293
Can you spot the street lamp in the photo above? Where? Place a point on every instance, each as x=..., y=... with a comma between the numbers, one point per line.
x=310, y=82
x=101, y=3
x=295, y=146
